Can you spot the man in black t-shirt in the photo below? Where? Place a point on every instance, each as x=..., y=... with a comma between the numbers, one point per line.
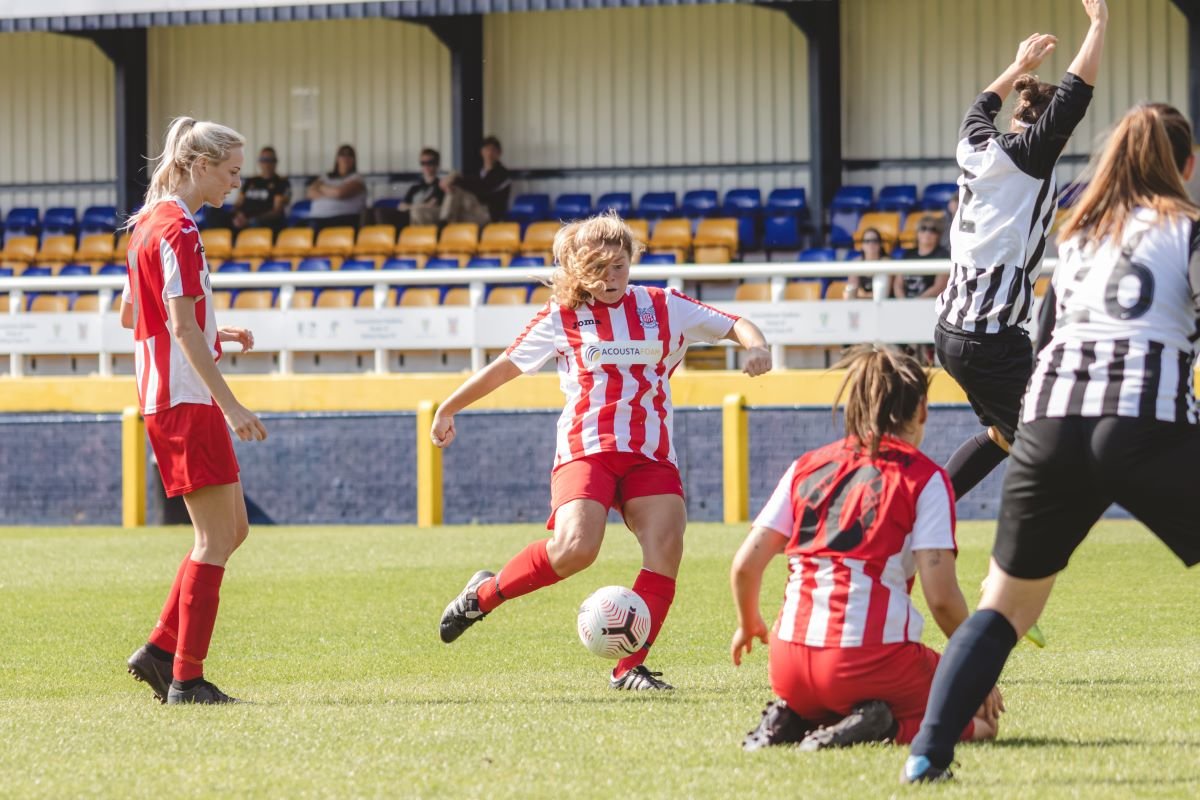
x=263, y=201
x=423, y=201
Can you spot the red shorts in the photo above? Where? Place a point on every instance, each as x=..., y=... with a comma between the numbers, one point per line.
x=611, y=479
x=193, y=448
x=822, y=684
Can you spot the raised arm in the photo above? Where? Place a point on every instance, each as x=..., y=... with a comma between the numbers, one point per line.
x=476, y=387
x=1086, y=63
x=1030, y=55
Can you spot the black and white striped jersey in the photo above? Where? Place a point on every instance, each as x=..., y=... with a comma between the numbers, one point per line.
x=1006, y=204
x=1125, y=326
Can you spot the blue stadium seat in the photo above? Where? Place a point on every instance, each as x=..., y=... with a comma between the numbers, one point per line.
x=484, y=263
x=98, y=219
x=21, y=221
x=818, y=254
x=656, y=205
x=899, y=253
x=857, y=195
x=201, y=216
x=314, y=265
x=400, y=263
x=5, y=272
x=620, y=202
x=1069, y=194
x=794, y=201
x=658, y=258
x=36, y=272
x=746, y=206
x=234, y=266
x=699, y=203
x=936, y=195
x=781, y=232
x=527, y=261
x=848, y=206
x=358, y=265
x=113, y=269
x=572, y=206
x=60, y=221
x=275, y=266
x=388, y=202
x=854, y=255
x=527, y=208
x=441, y=263
x=900, y=197
x=299, y=213
x=74, y=270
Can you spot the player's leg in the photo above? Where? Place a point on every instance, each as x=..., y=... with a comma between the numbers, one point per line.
x=241, y=519
x=1051, y=500
x=658, y=522
x=153, y=662
x=797, y=710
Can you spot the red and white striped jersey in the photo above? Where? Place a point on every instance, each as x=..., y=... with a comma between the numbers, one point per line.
x=166, y=259
x=852, y=526
x=614, y=362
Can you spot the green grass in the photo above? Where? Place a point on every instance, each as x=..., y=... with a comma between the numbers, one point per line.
x=332, y=632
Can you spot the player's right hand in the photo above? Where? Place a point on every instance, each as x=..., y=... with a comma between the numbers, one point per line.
x=1033, y=51
x=442, y=433
x=1097, y=10
x=245, y=424
x=992, y=707
x=744, y=636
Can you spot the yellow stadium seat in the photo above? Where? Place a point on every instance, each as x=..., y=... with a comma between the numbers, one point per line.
x=417, y=240
x=539, y=239
x=673, y=236
x=4, y=303
x=254, y=299
x=802, y=290
x=96, y=249
x=908, y=236
x=836, y=290
x=540, y=295
x=1041, y=286
x=222, y=300
x=56, y=250
x=121, y=251
x=755, y=292
x=218, y=243
x=716, y=241
x=500, y=240
x=293, y=243
x=458, y=240
x=116, y=301
x=457, y=296
x=336, y=298
x=303, y=298
x=334, y=243
x=19, y=251
x=254, y=243
x=366, y=298
x=86, y=302
x=886, y=222
x=640, y=228
x=375, y=240
x=420, y=296
x=54, y=303
x=507, y=296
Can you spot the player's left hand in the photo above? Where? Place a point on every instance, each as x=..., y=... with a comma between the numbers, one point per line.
x=744, y=636
x=240, y=335
x=758, y=361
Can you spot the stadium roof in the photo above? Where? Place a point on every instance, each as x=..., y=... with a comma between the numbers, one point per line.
x=89, y=15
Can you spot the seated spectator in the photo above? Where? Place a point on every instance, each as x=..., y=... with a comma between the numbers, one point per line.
x=338, y=197
x=263, y=199
x=929, y=234
x=951, y=210
x=424, y=197
x=494, y=183
x=459, y=205
x=873, y=249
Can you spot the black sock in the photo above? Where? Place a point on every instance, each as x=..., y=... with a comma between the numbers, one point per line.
x=184, y=686
x=159, y=653
x=972, y=462
x=967, y=672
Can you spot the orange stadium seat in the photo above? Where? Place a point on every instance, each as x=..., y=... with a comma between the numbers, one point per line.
x=716, y=241
x=218, y=244
x=417, y=241
x=836, y=290
x=54, y=303
x=253, y=244
x=336, y=298
x=293, y=243
x=334, y=243
x=640, y=228
x=254, y=299
x=908, y=236
x=802, y=290
x=375, y=240
x=540, y=295
x=1041, y=286
x=673, y=236
x=121, y=251
x=95, y=249
x=222, y=299
x=366, y=298
x=457, y=296
x=56, y=250
x=886, y=222
x=755, y=292
x=459, y=240
x=303, y=298
x=539, y=239
x=87, y=302
x=19, y=252
x=500, y=240
x=507, y=296
x=420, y=296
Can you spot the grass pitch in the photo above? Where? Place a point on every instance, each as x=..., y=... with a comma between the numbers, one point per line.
x=332, y=632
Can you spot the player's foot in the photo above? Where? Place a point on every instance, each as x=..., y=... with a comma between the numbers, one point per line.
x=1035, y=635
x=203, y=693
x=779, y=725
x=918, y=769
x=155, y=672
x=871, y=721
x=640, y=679
x=463, y=611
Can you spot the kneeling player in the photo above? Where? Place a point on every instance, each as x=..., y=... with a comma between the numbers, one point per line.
x=857, y=519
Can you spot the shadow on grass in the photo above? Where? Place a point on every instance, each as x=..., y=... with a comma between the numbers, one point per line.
x=1019, y=742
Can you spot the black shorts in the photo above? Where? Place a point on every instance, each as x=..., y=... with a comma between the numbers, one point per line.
x=1063, y=474
x=993, y=369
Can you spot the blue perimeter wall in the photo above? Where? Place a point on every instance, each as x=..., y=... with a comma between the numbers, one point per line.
x=348, y=468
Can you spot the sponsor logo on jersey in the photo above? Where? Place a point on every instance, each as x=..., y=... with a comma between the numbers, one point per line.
x=622, y=353
x=579, y=323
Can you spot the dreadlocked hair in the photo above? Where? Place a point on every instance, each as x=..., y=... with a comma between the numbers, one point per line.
x=883, y=388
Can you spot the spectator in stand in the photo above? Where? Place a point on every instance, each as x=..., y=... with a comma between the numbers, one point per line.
x=951, y=210
x=459, y=205
x=929, y=234
x=338, y=197
x=494, y=183
x=263, y=201
x=423, y=202
x=873, y=249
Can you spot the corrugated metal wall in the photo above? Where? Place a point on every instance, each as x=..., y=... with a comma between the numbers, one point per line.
x=709, y=85
x=307, y=87
x=911, y=68
x=57, y=123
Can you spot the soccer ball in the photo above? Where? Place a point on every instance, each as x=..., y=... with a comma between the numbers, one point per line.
x=613, y=622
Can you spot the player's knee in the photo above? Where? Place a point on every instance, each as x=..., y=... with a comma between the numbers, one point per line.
x=575, y=551
x=240, y=534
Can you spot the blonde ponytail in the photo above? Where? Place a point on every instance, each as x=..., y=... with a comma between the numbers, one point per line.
x=187, y=141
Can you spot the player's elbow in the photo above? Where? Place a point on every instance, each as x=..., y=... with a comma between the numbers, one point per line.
x=181, y=328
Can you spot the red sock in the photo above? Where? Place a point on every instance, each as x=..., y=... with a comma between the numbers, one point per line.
x=166, y=633
x=198, y=599
x=528, y=571
x=658, y=591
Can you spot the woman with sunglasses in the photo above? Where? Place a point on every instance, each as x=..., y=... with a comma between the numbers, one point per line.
x=929, y=234
x=872, y=248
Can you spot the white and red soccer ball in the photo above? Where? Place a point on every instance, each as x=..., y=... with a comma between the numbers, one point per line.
x=613, y=622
